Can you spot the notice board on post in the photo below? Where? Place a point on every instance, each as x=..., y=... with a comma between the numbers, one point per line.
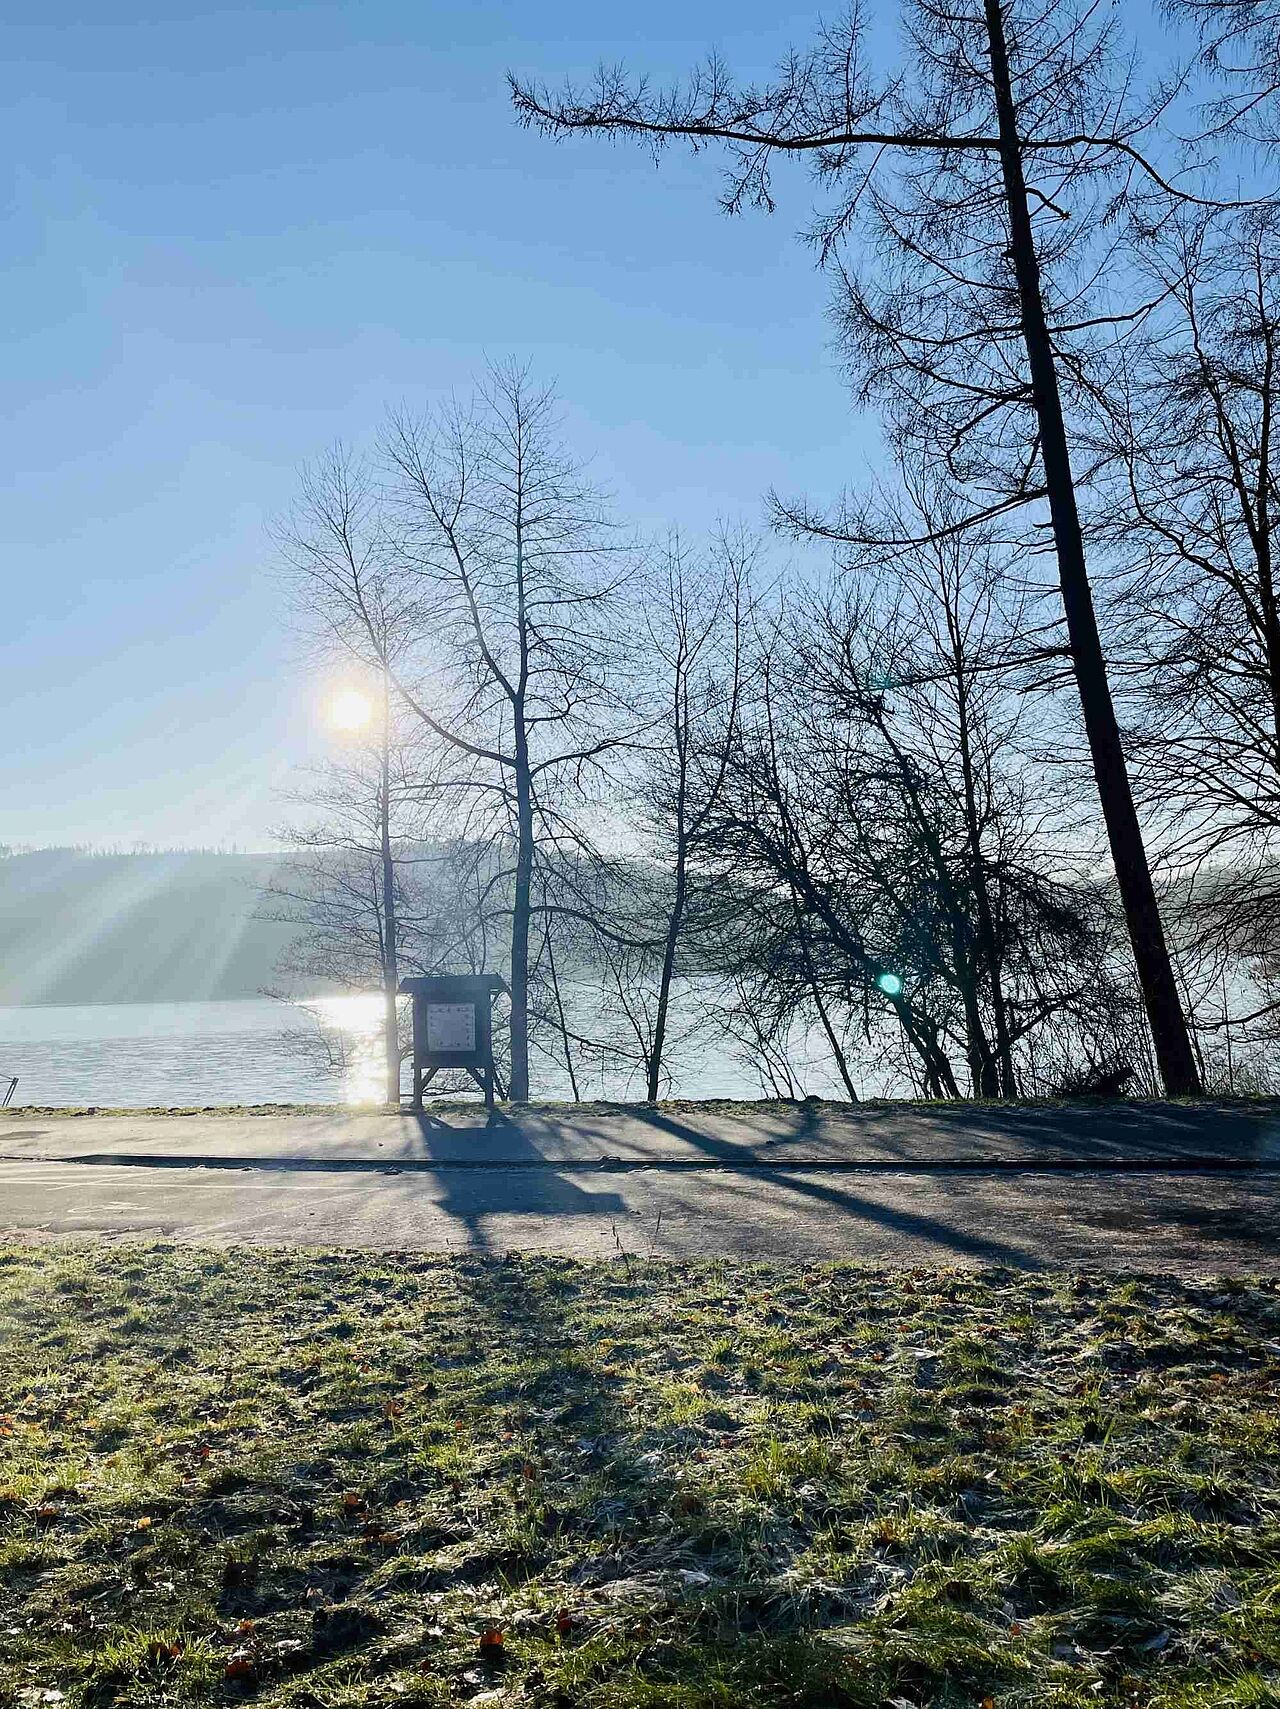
x=453, y=1028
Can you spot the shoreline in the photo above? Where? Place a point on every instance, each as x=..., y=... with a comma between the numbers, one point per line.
x=746, y=1107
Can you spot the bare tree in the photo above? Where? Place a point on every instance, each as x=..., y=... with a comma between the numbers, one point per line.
x=882, y=858
x=954, y=636
x=694, y=614
x=1191, y=442
x=1193, y=520
x=514, y=569
x=979, y=174
x=332, y=887
x=342, y=568
x=819, y=884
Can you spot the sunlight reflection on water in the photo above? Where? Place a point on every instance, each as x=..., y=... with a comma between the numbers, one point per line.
x=354, y=1024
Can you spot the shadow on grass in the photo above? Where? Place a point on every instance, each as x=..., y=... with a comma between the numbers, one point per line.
x=674, y=1592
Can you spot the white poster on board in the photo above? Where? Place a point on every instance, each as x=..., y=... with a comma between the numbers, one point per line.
x=451, y=1027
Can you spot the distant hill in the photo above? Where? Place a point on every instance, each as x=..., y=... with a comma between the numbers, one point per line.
x=129, y=928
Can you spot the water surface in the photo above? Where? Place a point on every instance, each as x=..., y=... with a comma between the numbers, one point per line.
x=254, y=1051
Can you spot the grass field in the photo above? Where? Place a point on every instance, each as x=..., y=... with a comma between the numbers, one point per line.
x=328, y=1480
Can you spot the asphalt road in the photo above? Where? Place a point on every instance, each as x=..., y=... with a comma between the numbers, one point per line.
x=1127, y=1186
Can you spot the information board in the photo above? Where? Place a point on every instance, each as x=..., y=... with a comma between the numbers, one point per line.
x=451, y=1027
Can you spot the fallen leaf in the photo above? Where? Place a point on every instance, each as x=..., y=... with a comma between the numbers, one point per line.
x=143, y=1524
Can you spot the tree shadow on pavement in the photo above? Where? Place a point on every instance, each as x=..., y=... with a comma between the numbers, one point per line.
x=783, y=1209
x=519, y=1185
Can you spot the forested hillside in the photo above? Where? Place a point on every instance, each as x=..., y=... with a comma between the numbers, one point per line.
x=122, y=928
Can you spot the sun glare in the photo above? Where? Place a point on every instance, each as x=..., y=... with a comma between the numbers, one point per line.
x=350, y=711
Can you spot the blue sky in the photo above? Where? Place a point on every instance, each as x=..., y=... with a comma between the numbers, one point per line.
x=239, y=232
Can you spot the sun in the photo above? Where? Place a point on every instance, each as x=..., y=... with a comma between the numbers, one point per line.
x=350, y=711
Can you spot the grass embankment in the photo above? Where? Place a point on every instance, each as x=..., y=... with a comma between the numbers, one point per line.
x=330, y=1480
x=471, y=1105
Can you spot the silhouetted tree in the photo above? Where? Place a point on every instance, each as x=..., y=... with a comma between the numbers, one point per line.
x=882, y=848
x=514, y=568
x=693, y=612
x=979, y=175
x=1193, y=520
x=342, y=566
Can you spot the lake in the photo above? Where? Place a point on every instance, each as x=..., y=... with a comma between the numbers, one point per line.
x=253, y=1051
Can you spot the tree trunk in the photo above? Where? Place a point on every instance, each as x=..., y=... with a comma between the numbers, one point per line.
x=1007, y=1085
x=824, y=1014
x=520, y=903
x=563, y=1018
x=679, y=903
x=1008, y=1081
x=390, y=953
x=983, y=1075
x=921, y=1035
x=1150, y=951
x=940, y=1081
x=1260, y=525
x=675, y=922
x=520, y=909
